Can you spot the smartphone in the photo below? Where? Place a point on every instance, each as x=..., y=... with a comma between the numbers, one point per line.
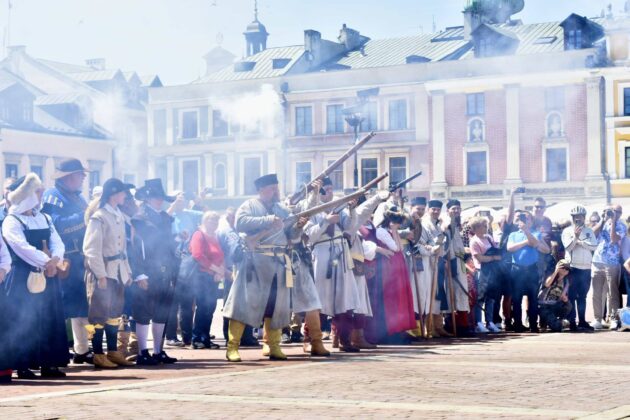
x=520, y=190
x=484, y=213
x=522, y=217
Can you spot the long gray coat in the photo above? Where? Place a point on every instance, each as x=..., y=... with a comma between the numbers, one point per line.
x=339, y=293
x=248, y=297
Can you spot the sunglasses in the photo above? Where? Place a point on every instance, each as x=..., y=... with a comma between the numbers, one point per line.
x=540, y=207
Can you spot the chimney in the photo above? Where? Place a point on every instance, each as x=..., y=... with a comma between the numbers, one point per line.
x=472, y=20
x=312, y=44
x=96, y=63
x=350, y=38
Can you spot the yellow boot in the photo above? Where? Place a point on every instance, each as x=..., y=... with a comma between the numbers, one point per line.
x=235, y=332
x=118, y=358
x=265, y=341
x=101, y=361
x=273, y=341
x=317, y=348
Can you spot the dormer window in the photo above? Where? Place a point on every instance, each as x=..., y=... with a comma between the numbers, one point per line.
x=280, y=63
x=27, y=111
x=574, y=39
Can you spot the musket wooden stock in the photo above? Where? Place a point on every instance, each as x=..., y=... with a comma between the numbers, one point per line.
x=301, y=193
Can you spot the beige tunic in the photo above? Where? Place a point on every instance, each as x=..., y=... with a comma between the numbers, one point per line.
x=105, y=238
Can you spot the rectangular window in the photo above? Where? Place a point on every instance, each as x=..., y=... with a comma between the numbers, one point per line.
x=251, y=169
x=475, y=104
x=219, y=125
x=398, y=114
x=626, y=101
x=95, y=179
x=39, y=170
x=556, y=164
x=334, y=119
x=190, y=126
x=397, y=169
x=369, y=170
x=161, y=170
x=159, y=127
x=190, y=176
x=27, y=111
x=574, y=39
x=336, y=177
x=554, y=98
x=303, y=121
x=627, y=151
x=476, y=165
x=302, y=173
x=11, y=170
x=369, y=122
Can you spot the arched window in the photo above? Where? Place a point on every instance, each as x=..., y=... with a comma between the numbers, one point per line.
x=219, y=176
x=476, y=130
x=553, y=125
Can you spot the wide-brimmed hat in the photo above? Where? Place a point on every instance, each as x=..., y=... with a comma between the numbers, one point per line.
x=113, y=186
x=266, y=180
x=153, y=188
x=68, y=167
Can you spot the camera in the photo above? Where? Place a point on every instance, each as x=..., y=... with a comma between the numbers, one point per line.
x=610, y=213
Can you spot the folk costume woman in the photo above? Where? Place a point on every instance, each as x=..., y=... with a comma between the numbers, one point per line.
x=108, y=271
x=397, y=296
x=37, y=334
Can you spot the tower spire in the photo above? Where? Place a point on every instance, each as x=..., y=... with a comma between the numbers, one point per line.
x=255, y=10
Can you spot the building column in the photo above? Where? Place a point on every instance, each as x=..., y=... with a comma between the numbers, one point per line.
x=25, y=165
x=170, y=127
x=230, y=172
x=594, y=133
x=170, y=173
x=3, y=174
x=512, y=123
x=150, y=170
x=438, y=141
x=209, y=170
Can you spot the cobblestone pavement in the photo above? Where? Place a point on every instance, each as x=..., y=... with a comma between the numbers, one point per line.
x=505, y=376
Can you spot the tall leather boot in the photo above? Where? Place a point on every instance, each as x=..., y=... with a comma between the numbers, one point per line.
x=265, y=341
x=133, y=347
x=315, y=334
x=344, y=328
x=357, y=339
x=435, y=321
x=306, y=343
x=123, y=342
x=273, y=341
x=235, y=332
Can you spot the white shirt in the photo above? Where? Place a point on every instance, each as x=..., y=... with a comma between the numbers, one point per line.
x=5, y=257
x=384, y=236
x=13, y=233
x=579, y=251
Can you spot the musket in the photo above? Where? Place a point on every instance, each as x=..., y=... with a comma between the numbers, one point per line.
x=340, y=203
x=399, y=186
x=304, y=189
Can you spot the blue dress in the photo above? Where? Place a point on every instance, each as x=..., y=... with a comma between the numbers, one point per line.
x=36, y=334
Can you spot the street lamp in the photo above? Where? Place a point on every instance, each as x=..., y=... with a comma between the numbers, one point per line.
x=354, y=116
x=354, y=119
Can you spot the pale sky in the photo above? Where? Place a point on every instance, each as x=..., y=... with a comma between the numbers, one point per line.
x=169, y=37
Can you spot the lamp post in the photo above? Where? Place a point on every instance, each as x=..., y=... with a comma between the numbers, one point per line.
x=354, y=120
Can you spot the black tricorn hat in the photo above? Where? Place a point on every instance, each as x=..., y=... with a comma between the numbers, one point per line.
x=152, y=189
x=113, y=186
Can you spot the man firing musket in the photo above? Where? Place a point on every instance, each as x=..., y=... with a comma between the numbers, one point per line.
x=261, y=288
x=333, y=262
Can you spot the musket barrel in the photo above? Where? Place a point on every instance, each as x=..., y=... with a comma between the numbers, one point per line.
x=301, y=193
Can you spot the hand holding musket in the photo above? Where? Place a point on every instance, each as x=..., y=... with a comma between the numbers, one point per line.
x=252, y=241
x=301, y=193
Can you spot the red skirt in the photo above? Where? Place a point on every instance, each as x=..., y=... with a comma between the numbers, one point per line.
x=397, y=295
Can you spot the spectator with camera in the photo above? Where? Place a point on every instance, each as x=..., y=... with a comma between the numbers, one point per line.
x=606, y=268
x=579, y=242
x=525, y=246
x=553, y=299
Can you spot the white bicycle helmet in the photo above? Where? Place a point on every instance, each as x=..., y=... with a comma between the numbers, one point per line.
x=578, y=210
